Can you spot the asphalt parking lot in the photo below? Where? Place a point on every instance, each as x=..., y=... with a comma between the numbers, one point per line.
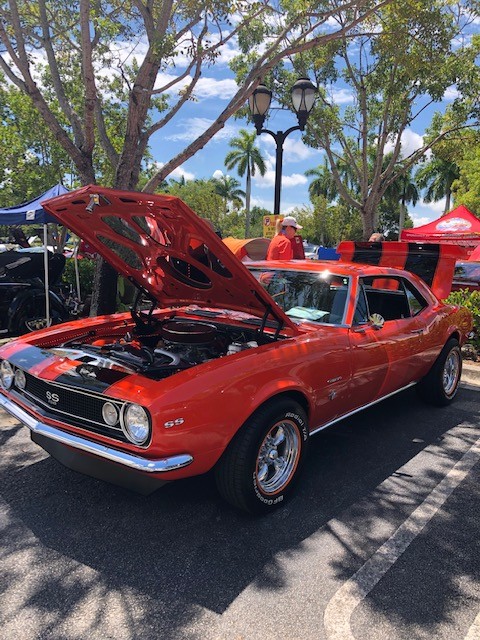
x=382, y=541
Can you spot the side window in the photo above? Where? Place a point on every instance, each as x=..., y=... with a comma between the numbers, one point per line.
x=387, y=297
x=416, y=301
x=361, y=310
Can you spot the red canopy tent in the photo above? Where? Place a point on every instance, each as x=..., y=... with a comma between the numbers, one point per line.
x=459, y=226
x=475, y=254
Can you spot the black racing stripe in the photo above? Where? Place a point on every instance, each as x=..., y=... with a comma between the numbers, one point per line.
x=29, y=357
x=367, y=253
x=93, y=378
x=422, y=260
x=103, y=378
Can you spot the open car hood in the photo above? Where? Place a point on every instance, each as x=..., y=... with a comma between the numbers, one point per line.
x=158, y=242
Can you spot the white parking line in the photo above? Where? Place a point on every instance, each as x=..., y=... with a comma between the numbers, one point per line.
x=341, y=607
x=474, y=631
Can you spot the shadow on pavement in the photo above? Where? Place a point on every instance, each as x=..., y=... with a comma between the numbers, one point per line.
x=182, y=548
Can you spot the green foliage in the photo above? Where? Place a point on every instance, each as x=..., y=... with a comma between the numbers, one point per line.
x=470, y=300
x=228, y=189
x=467, y=187
x=245, y=155
x=408, y=56
x=31, y=161
x=201, y=196
x=328, y=225
x=246, y=158
x=86, y=270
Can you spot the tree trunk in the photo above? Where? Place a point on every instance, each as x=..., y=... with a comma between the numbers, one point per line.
x=104, y=291
x=248, y=190
x=367, y=222
x=401, y=221
x=448, y=198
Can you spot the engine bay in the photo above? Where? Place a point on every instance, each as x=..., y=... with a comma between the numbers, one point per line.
x=161, y=349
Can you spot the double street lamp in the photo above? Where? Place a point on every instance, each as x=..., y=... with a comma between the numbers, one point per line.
x=303, y=98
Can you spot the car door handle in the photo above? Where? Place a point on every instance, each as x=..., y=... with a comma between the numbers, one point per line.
x=417, y=331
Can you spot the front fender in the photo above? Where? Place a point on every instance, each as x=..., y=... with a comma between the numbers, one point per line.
x=205, y=410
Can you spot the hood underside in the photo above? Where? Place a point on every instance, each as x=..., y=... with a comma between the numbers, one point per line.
x=158, y=242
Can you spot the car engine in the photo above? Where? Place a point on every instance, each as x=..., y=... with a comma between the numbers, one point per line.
x=163, y=350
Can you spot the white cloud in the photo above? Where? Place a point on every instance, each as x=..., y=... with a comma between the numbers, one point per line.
x=212, y=88
x=268, y=180
x=425, y=212
x=419, y=221
x=293, y=149
x=226, y=52
x=205, y=88
x=191, y=128
x=411, y=141
x=340, y=96
x=293, y=180
x=177, y=173
x=262, y=202
x=436, y=208
x=451, y=93
x=217, y=174
x=332, y=22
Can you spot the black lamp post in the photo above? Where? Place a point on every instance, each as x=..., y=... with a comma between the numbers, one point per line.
x=303, y=97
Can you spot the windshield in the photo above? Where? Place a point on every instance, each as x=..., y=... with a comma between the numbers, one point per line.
x=468, y=271
x=318, y=297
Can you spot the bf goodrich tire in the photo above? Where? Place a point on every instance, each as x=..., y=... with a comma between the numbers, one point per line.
x=440, y=385
x=260, y=467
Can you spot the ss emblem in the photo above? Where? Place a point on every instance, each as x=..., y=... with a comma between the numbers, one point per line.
x=52, y=398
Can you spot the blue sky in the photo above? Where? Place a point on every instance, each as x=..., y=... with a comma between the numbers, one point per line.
x=216, y=86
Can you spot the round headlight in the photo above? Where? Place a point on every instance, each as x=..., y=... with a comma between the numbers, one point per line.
x=20, y=379
x=136, y=424
x=6, y=374
x=110, y=414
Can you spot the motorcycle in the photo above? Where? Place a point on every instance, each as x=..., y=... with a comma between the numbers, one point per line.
x=22, y=292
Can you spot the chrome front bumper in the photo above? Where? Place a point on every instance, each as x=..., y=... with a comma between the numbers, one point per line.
x=77, y=442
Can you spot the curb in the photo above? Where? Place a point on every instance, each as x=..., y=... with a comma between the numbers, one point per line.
x=471, y=373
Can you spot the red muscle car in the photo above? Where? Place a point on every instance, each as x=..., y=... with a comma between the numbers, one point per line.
x=219, y=366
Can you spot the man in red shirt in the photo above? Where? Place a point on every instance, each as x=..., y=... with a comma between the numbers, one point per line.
x=280, y=247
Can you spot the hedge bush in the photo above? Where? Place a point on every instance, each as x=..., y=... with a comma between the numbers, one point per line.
x=470, y=300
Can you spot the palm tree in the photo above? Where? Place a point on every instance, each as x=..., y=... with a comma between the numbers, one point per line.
x=437, y=177
x=246, y=157
x=228, y=189
x=178, y=181
x=323, y=183
x=403, y=190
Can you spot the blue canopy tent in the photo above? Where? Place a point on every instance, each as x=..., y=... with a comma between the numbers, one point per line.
x=32, y=212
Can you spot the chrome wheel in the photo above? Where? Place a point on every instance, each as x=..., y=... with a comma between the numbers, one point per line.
x=278, y=457
x=451, y=372
x=34, y=324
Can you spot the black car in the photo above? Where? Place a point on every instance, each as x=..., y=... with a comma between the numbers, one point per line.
x=22, y=291
x=466, y=276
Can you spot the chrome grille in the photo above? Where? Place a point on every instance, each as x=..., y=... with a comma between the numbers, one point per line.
x=73, y=406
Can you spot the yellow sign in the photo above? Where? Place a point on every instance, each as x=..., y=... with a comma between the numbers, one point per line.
x=269, y=225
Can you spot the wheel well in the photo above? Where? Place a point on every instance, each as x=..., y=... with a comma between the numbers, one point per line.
x=296, y=396
x=455, y=335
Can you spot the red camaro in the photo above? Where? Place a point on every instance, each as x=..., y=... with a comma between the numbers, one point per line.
x=219, y=367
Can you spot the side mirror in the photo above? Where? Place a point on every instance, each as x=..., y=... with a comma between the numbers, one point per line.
x=377, y=320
